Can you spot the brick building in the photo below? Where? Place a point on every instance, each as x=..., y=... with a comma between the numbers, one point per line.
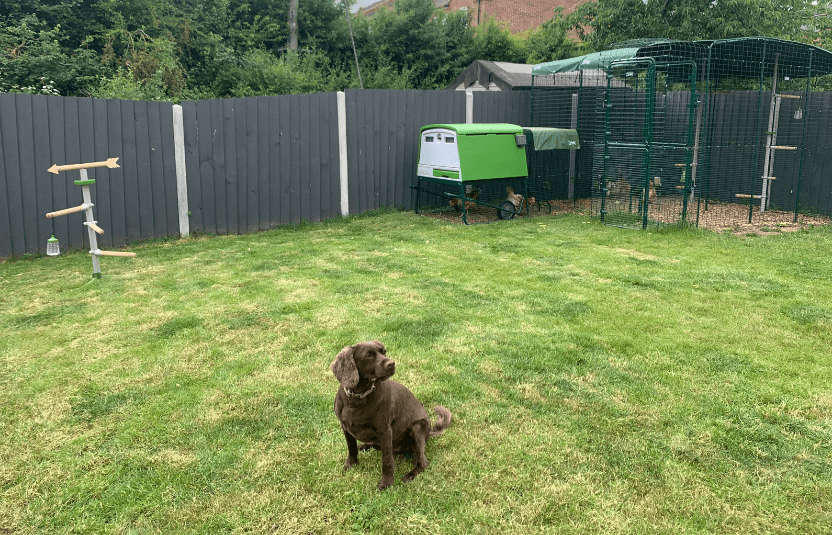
x=518, y=15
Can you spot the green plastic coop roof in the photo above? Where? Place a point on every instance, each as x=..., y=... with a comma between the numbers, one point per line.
x=478, y=128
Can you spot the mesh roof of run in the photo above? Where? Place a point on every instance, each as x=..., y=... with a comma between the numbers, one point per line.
x=737, y=58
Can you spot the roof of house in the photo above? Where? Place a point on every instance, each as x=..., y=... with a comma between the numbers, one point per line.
x=372, y=8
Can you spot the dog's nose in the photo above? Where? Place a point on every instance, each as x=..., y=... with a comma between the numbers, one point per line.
x=390, y=366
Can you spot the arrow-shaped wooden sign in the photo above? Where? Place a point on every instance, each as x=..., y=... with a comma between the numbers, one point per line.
x=110, y=162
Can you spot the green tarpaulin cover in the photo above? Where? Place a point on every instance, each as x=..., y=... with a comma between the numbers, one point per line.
x=596, y=60
x=554, y=138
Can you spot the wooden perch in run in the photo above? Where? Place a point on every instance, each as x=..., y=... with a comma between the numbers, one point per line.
x=79, y=208
x=99, y=252
x=109, y=162
x=92, y=225
x=746, y=196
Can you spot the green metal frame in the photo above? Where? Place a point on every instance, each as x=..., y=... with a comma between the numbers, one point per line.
x=726, y=139
x=803, y=137
x=650, y=67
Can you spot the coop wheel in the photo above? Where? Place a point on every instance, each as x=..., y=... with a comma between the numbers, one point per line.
x=506, y=210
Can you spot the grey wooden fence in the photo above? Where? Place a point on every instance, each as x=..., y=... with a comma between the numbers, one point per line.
x=513, y=107
x=383, y=141
x=136, y=201
x=253, y=163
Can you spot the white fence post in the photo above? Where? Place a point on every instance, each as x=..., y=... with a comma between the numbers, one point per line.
x=342, y=152
x=469, y=106
x=181, y=174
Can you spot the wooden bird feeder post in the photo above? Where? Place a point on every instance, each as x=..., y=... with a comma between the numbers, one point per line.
x=91, y=223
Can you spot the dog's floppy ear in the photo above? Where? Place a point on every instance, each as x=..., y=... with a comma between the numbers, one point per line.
x=344, y=368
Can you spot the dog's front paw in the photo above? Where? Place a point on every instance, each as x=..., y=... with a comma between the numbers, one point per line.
x=350, y=462
x=385, y=482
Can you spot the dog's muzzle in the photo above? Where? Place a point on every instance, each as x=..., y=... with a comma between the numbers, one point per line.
x=386, y=368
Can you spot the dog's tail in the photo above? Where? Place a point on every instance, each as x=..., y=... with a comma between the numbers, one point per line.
x=443, y=420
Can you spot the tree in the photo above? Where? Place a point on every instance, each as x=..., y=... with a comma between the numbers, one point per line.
x=292, y=44
x=621, y=20
x=32, y=60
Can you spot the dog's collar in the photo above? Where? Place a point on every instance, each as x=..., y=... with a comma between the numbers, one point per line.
x=360, y=396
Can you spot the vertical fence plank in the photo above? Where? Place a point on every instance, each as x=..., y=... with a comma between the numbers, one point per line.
x=230, y=146
x=166, y=143
x=399, y=124
x=26, y=147
x=191, y=129
x=412, y=137
x=205, y=211
x=294, y=158
x=220, y=172
x=364, y=176
x=130, y=173
x=327, y=121
x=251, y=146
x=303, y=175
x=263, y=190
x=353, y=161
x=41, y=179
x=6, y=236
x=156, y=175
x=374, y=146
x=313, y=156
x=241, y=154
x=144, y=185
x=73, y=137
x=364, y=172
x=11, y=164
x=278, y=154
x=60, y=195
x=283, y=171
x=5, y=220
x=101, y=148
x=380, y=127
x=280, y=179
x=392, y=178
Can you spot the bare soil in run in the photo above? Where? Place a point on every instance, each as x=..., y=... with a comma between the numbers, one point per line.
x=719, y=217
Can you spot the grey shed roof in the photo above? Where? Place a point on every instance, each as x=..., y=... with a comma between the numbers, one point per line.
x=495, y=76
x=499, y=76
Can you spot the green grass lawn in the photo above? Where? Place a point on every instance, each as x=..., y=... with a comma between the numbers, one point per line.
x=601, y=381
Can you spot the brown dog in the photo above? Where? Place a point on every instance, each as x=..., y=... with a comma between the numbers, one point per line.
x=381, y=413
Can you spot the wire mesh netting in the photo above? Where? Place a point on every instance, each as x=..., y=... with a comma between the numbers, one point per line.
x=722, y=134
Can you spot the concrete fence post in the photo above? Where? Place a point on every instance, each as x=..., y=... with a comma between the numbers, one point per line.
x=181, y=174
x=342, y=152
x=469, y=106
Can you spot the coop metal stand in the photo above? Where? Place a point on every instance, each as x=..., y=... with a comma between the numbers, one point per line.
x=463, y=199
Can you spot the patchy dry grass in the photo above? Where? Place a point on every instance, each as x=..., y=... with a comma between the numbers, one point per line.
x=601, y=380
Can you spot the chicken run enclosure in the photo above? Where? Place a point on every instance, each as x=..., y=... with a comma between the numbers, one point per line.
x=710, y=133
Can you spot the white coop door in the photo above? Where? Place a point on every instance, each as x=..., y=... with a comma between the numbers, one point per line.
x=439, y=151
